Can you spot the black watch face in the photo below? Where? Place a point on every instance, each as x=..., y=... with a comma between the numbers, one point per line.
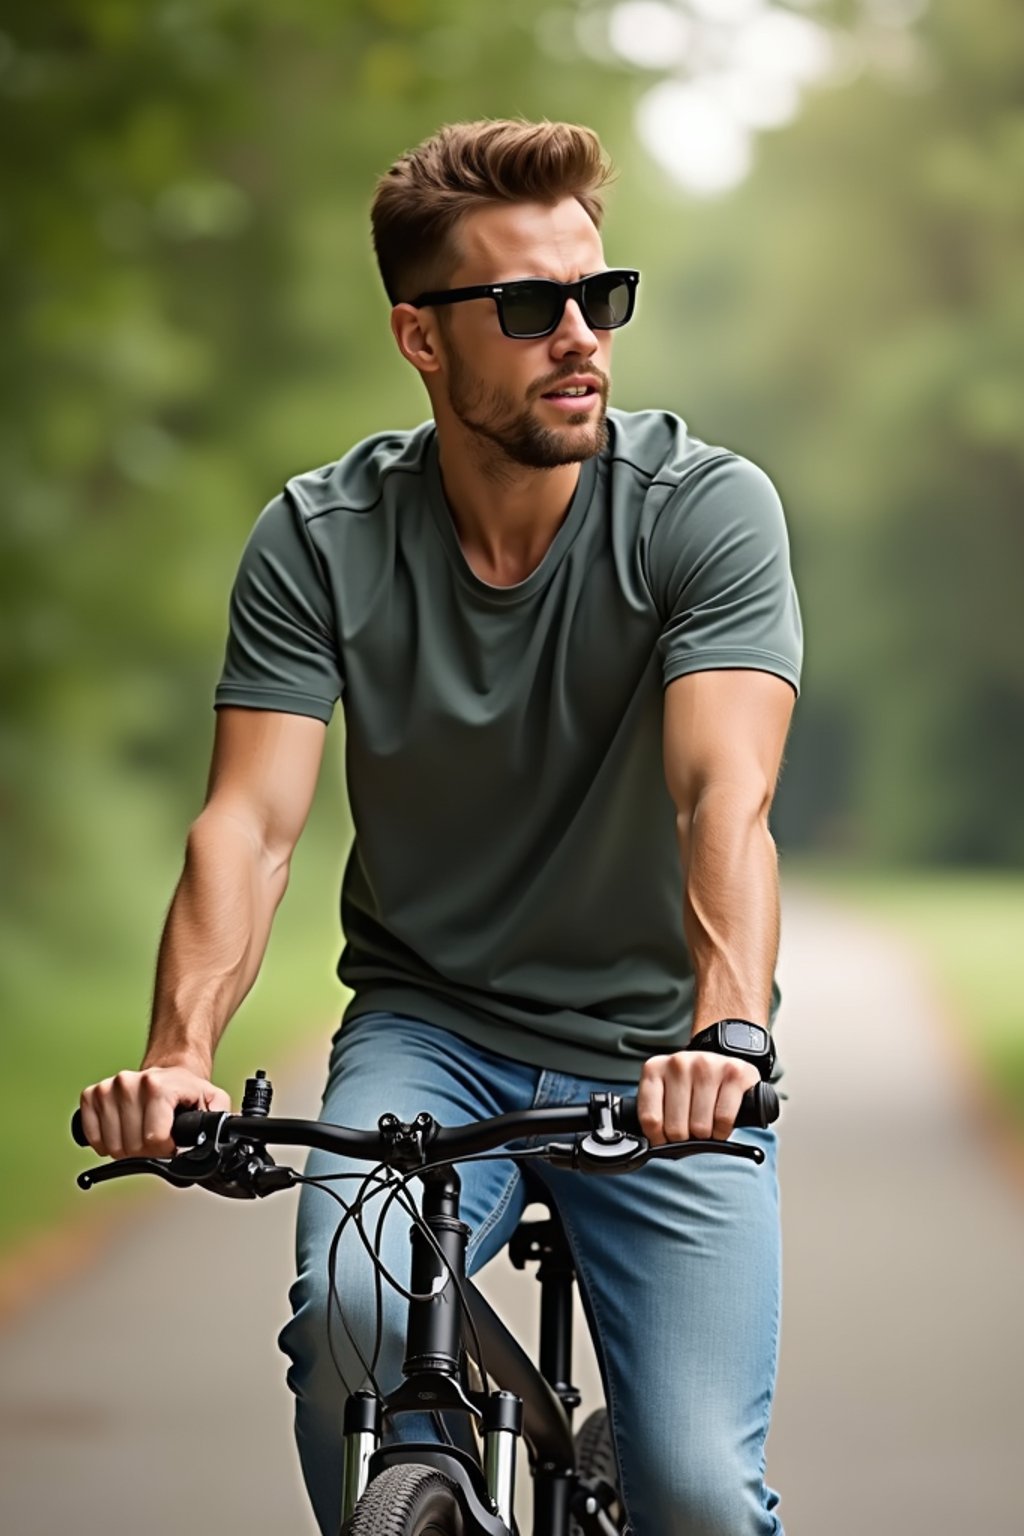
x=738, y=1035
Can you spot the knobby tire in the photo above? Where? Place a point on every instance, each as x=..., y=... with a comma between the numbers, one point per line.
x=595, y=1457
x=408, y=1500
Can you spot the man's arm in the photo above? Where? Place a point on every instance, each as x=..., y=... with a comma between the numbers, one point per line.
x=724, y=734
x=238, y=853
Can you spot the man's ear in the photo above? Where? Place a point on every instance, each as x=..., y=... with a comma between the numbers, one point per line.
x=415, y=331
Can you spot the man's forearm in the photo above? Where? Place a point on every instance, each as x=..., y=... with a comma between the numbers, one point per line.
x=730, y=905
x=214, y=940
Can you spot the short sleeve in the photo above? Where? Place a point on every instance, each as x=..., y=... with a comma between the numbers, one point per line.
x=282, y=651
x=719, y=572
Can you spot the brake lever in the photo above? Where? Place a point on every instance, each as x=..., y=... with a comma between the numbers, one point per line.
x=680, y=1149
x=129, y=1165
x=239, y=1172
x=590, y=1154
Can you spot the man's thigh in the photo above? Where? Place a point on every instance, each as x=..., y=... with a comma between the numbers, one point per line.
x=679, y=1267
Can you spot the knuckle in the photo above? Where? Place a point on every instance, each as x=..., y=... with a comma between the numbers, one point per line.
x=650, y=1123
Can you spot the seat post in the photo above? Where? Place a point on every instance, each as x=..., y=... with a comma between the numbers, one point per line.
x=545, y=1243
x=557, y=1274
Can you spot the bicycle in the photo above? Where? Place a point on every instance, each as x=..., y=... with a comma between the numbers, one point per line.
x=456, y=1344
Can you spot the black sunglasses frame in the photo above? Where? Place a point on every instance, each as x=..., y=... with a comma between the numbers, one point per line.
x=499, y=292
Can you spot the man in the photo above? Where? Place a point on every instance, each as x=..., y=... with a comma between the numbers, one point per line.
x=567, y=645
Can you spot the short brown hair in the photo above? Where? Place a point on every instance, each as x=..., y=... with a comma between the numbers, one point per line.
x=421, y=199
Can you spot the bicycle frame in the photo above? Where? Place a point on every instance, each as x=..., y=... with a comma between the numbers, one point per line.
x=533, y=1404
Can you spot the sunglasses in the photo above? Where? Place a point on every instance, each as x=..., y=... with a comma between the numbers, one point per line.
x=533, y=306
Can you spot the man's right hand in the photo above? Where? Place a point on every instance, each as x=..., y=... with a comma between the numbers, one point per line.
x=130, y=1115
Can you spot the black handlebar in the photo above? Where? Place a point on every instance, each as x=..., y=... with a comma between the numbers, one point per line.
x=759, y=1107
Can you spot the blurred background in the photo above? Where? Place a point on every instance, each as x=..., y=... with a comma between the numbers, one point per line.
x=827, y=204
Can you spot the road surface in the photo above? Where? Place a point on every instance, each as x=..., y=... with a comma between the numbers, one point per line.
x=144, y=1395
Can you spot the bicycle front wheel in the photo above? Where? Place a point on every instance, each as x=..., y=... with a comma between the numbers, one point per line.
x=595, y=1457
x=408, y=1500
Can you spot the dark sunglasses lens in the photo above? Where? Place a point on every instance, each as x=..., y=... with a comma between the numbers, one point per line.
x=530, y=309
x=607, y=300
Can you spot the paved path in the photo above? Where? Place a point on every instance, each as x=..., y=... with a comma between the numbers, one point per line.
x=144, y=1395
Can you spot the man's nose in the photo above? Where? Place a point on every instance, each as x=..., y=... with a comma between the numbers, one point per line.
x=572, y=333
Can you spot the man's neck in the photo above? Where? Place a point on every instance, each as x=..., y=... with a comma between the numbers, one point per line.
x=505, y=515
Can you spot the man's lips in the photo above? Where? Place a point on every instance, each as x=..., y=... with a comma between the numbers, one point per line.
x=569, y=405
x=591, y=385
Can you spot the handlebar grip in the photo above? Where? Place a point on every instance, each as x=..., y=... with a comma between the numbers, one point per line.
x=188, y=1123
x=759, y=1106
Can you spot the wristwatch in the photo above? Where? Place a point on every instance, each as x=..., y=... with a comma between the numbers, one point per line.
x=738, y=1037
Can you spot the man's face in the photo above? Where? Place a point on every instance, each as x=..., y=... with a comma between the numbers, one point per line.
x=501, y=389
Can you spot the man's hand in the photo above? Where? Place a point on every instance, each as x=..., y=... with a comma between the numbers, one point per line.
x=692, y=1094
x=130, y=1115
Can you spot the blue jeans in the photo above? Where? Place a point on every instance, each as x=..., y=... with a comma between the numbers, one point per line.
x=678, y=1266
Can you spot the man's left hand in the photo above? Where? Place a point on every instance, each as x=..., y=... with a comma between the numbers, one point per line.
x=692, y=1094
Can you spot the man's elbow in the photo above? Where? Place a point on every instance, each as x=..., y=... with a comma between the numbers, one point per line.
x=222, y=832
x=732, y=803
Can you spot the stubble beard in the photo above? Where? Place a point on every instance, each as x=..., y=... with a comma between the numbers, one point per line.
x=521, y=440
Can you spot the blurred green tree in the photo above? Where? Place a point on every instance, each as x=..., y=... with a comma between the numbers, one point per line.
x=853, y=318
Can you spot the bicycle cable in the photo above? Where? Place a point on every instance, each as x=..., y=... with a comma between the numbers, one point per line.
x=353, y=1212
x=333, y=1298
x=396, y=1186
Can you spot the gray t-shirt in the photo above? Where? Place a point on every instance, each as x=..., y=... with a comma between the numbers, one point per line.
x=515, y=873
